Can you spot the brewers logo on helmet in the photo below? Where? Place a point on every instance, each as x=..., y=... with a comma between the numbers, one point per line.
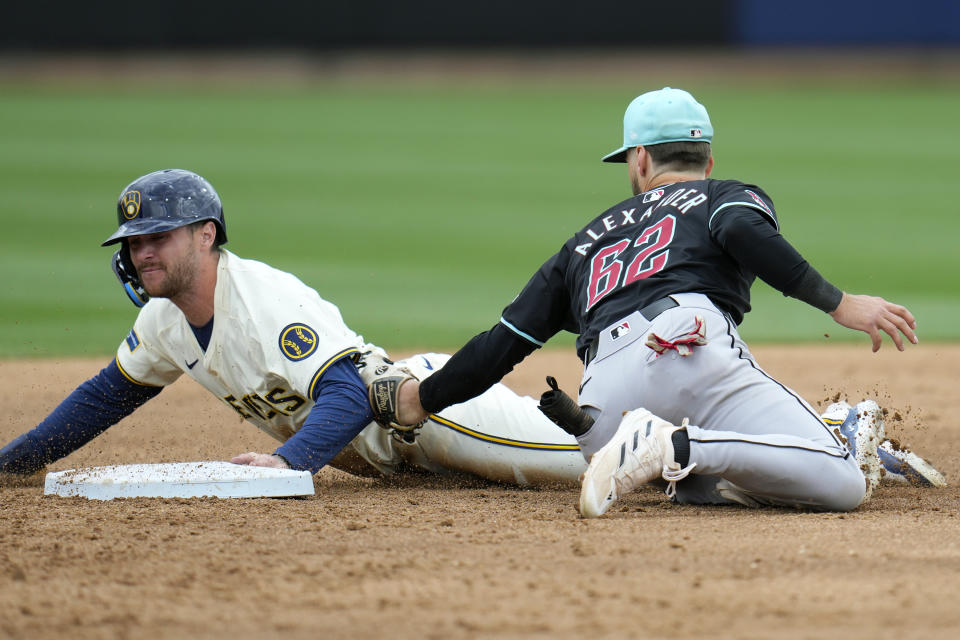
x=131, y=204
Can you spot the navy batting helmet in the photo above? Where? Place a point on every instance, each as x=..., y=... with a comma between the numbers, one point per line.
x=165, y=200
x=157, y=202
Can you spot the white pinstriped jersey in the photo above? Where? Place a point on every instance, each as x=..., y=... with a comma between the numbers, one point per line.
x=273, y=337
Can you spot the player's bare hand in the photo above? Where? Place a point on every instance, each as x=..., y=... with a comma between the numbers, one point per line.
x=874, y=315
x=260, y=460
x=409, y=410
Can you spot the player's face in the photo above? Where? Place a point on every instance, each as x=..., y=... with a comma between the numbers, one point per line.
x=166, y=262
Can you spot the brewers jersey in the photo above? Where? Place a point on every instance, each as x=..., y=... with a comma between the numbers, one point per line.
x=273, y=337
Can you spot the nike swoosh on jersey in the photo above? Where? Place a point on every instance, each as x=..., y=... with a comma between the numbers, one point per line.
x=191, y=364
x=427, y=364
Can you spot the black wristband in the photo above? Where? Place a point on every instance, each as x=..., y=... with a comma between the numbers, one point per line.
x=816, y=291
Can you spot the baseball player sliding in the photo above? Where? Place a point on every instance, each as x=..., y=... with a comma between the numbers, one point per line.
x=279, y=355
x=655, y=286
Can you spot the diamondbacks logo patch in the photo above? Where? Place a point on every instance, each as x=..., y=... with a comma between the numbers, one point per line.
x=131, y=204
x=297, y=341
x=759, y=201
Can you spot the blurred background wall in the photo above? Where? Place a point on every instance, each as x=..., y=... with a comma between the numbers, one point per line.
x=207, y=24
x=459, y=144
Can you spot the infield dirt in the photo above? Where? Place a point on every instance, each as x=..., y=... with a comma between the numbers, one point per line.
x=431, y=558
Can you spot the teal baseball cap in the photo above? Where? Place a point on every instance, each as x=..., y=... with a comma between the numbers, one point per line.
x=664, y=115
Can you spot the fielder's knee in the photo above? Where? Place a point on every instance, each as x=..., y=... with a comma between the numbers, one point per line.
x=848, y=489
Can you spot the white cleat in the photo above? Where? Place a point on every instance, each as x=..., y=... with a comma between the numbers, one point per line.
x=900, y=465
x=640, y=451
x=862, y=430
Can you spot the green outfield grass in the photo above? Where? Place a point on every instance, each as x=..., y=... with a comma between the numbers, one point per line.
x=422, y=210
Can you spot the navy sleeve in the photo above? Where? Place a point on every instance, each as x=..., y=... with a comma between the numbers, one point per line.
x=95, y=405
x=342, y=410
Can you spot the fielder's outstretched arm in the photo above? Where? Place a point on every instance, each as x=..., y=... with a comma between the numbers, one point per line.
x=540, y=311
x=476, y=367
x=756, y=244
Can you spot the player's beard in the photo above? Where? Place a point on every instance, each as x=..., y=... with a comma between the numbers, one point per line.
x=178, y=278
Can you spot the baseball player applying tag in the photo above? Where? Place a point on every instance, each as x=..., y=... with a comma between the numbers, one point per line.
x=655, y=288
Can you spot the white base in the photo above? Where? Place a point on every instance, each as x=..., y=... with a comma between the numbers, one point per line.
x=179, y=480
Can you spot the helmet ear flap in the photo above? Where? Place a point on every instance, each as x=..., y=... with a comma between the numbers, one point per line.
x=127, y=275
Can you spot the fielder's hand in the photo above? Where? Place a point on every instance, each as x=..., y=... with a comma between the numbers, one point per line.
x=260, y=460
x=409, y=409
x=386, y=381
x=873, y=315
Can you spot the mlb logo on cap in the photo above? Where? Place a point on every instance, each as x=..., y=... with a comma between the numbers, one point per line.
x=665, y=115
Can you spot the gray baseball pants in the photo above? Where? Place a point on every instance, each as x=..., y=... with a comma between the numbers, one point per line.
x=755, y=441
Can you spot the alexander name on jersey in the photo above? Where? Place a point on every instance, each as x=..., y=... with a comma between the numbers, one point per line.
x=683, y=199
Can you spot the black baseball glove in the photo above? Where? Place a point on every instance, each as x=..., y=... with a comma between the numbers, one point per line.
x=563, y=410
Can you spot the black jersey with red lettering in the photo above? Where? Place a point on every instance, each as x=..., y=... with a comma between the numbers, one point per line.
x=671, y=239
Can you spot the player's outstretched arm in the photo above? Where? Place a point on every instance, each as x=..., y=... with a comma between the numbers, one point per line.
x=340, y=412
x=874, y=315
x=94, y=406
